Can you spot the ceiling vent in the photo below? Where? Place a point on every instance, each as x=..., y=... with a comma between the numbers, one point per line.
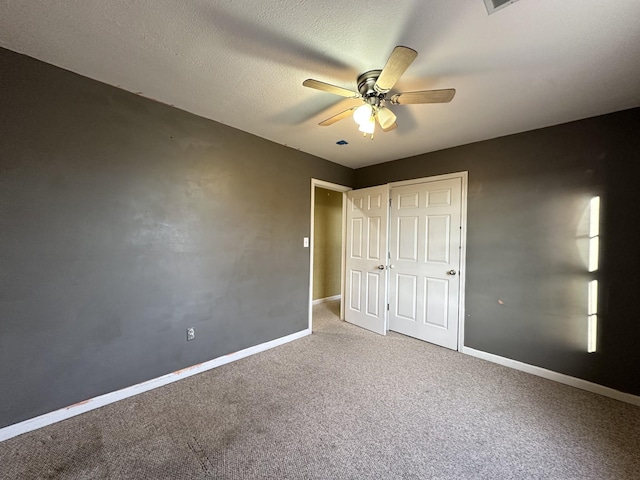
x=495, y=5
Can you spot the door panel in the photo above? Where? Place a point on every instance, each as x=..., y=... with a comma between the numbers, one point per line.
x=373, y=287
x=374, y=239
x=437, y=291
x=406, y=296
x=408, y=238
x=366, y=283
x=354, y=287
x=356, y=238
x=438, y=241
x=424, y=284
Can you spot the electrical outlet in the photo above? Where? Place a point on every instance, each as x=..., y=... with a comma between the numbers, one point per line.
x=191, y=334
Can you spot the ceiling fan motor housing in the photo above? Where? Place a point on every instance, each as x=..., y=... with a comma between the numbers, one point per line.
x=366, y=87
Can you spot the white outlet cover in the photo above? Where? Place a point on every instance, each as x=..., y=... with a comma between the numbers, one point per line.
x=305, y=242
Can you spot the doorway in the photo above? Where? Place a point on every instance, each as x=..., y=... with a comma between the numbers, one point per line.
x=327, y=237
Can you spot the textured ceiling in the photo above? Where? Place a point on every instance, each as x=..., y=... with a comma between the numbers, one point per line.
x=533, y=64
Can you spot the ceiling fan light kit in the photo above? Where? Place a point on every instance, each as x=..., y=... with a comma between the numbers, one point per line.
x=362, y=113
x=373, y=87
x=368, y=126
x=386, y=117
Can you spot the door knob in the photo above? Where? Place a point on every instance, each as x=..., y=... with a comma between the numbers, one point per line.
x=451, y=272
x=380, y=267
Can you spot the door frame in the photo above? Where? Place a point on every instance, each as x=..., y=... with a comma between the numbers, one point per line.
x=464, y=176
x=336, y=188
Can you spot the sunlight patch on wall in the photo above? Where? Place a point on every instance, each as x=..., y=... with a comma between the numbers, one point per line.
x=592, y=324
x=594, y=247
x=594, y=233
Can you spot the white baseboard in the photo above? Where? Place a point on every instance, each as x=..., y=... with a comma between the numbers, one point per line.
x=555, y=376
x=326, y=299
x=102, y=400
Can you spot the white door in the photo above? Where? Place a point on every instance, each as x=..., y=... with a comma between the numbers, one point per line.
x=366, y=289
x=424, y=285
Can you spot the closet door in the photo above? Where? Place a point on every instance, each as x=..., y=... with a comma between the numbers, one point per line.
x=425, y=238
x=366, y=259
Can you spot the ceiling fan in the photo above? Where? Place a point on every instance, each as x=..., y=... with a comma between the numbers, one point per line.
x=373, y=86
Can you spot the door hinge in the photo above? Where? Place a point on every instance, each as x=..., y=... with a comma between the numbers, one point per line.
x=389, y=202
x=387, y=307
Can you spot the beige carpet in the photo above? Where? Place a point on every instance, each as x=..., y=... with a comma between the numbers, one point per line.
x=343, y=403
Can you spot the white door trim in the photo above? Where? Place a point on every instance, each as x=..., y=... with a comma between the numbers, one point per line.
x=336, y=188
x=464, y=176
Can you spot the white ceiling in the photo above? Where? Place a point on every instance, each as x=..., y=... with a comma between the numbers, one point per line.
x=533, y=64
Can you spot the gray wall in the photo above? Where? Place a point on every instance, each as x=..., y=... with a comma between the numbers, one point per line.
x=123, y=222
x=527, y=229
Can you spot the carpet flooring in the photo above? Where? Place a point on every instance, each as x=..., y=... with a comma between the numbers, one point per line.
x=343, y=403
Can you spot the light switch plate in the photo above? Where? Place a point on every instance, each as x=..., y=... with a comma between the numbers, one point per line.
x=305, y=242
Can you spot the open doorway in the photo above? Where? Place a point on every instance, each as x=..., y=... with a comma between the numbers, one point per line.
x=326, y=289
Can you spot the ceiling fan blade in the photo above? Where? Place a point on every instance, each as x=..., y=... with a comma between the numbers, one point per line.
x=337, y=117
x=427, y=96
x=327, y=87
x=398, y=62
x=393, y=126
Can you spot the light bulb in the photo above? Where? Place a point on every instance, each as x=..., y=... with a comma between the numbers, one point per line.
x=368, y=126
x=386, y=117
x=362, y=114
